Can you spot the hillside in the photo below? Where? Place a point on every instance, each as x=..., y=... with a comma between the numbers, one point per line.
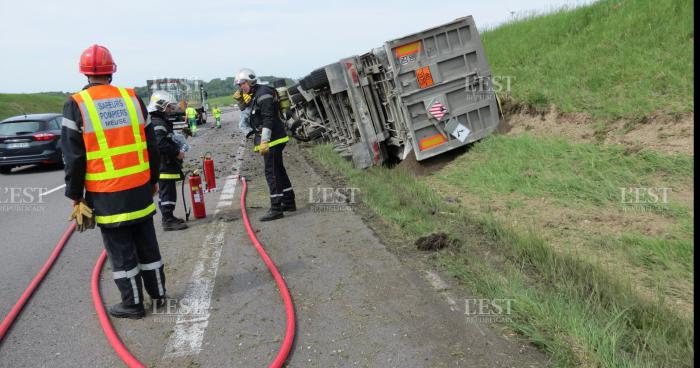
x=16, y=104
x=615, y=58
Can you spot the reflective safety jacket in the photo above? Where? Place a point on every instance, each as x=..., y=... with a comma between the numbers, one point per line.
x=170, y=165
x=110, y=152
x=217, y=112
x=191, y=113
x=265, y=113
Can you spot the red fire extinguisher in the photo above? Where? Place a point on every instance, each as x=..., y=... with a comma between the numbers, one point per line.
x=197, y=195
x=209, y=174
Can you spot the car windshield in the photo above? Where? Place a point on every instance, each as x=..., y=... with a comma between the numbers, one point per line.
x=22, y=127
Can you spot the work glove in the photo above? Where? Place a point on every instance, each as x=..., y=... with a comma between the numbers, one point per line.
x=82, y=214
x=264, y=148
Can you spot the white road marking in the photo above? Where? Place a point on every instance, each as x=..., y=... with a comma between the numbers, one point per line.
x=189, y=329
x=443, y=288
x=436, y=281
x=188, y=333
x=53, y=190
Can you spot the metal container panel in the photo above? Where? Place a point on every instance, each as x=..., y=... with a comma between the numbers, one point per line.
x=443, y=70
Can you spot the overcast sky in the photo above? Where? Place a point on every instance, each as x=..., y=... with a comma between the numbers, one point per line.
x=41, y=41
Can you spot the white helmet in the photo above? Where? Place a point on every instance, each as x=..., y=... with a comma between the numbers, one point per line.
x=160, y=100
x=248, y=75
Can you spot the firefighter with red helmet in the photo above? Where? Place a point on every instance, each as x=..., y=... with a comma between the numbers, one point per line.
x=112, y=167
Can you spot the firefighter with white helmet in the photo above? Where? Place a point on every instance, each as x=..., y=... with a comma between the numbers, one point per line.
x=160, y=107
x=270, y=139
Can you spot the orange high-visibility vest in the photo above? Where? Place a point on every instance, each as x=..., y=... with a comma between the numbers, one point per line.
x=117, y=177
x=114, y=137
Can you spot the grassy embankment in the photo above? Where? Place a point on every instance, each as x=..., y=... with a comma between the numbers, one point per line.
x=221, y=101
x=599, y=278
x=12, y=104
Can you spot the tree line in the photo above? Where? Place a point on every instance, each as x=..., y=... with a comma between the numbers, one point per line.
x=219, y=87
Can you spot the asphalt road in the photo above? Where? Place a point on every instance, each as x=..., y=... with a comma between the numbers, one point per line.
x=357, y=303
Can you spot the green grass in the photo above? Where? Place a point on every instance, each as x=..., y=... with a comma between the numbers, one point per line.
x=571, y=173
x=580, y=313
x=615, y=58
x=18, y=104
x=221, y=101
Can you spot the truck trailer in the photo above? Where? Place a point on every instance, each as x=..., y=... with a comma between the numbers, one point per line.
x=426, y=93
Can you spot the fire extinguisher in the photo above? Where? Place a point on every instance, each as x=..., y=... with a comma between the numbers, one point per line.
x=197, y=195
x=209, y=173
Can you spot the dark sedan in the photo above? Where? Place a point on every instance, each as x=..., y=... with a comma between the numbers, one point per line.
x=30, y=139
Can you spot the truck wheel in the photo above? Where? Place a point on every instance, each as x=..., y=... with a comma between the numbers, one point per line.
x=305, y=83
x=294, y=89
x=296, y=98
x=318, y=78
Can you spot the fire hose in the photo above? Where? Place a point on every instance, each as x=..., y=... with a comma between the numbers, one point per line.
x=182, y=191
x=109, y=332
x=17, y=308
x=284, y=292
x=104, y=320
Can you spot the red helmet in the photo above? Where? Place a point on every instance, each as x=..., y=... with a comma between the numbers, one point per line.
x=97, y=60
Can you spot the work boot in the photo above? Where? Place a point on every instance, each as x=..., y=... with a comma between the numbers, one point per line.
x=120, y=310
x=178, y=220
x=171, y=223
x=289, y=207
x=272, y=214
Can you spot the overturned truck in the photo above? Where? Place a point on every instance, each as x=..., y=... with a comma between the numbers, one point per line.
x=429, y=92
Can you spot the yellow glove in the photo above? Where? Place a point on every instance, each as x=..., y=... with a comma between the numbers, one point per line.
x=264, y=147
x=82, y=214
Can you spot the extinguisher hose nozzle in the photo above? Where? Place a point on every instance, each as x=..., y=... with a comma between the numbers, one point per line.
x=182, y=191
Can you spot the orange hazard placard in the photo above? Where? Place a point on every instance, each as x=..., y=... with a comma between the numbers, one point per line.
x=425, y=79
x=432, y=141
x=407, y=53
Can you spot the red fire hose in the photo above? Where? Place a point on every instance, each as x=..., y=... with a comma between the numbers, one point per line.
x=284, y=292
x=109, y=332
x=112, y=337
x=14, y=312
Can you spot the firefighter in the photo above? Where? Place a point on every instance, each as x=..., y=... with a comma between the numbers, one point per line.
x=270, y=139
x=191, y=119
x=112, y=164
x=217, y=116
x=159, y=108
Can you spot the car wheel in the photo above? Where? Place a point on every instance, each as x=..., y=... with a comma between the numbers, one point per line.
x=62, y=163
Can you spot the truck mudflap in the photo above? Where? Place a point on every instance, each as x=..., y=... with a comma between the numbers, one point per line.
x=444, y=83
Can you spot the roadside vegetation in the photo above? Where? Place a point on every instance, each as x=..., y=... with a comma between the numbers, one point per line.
x=615, y=58
x=594, y=242
x=221, y=101
x=12, y=104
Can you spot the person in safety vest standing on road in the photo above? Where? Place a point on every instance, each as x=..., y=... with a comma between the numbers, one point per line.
x=217, y=116
x=270, y=139
x=191, y=118
x=159, y=107
x=112, y=166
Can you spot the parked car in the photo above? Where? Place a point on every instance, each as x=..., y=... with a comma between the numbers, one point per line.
x=30, y=139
